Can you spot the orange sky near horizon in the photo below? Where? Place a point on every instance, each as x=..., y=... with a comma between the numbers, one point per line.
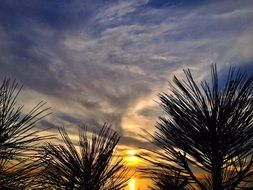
x=135, y=182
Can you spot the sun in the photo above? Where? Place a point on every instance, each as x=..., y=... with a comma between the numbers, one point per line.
x=131, y=157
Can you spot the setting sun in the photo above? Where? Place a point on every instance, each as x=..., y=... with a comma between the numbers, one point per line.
x=126, y=94
x=131, y=157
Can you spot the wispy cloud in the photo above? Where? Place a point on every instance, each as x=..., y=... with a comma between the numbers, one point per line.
x=96, y=62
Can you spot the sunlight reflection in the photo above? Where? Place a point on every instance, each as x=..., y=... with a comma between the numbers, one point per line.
x=132, y=184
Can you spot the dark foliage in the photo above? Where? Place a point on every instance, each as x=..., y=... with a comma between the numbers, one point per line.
x=208, y=128
x=18, y=138
x=91, y=167
x=164, y=179
x=164, y=176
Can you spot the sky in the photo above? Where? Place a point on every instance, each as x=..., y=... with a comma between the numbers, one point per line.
x=106, y=61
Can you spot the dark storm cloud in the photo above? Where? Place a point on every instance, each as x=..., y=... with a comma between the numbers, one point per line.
x=97, y=61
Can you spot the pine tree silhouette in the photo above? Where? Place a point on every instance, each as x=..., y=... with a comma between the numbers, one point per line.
x=92, y=167
x=208, y=129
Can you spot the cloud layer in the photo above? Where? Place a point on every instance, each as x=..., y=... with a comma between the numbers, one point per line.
x=106, y=61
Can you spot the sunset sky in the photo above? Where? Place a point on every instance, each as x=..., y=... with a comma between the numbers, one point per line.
x=106, y=61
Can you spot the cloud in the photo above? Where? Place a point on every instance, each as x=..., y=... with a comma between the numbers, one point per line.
x=115, y=12
x=96, y=62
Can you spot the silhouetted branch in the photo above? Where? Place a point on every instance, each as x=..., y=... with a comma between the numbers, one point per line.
x=209, y=127
x=90, y=167
x=18, y=138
